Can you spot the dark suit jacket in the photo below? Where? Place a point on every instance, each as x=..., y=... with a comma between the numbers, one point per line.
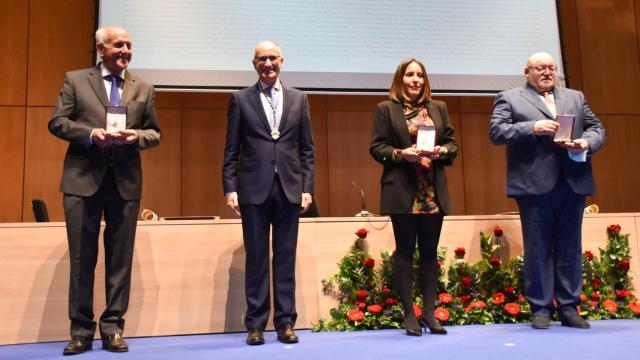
x=399, y=179
x=535, y=162
x=81, y=108
x=250, y=154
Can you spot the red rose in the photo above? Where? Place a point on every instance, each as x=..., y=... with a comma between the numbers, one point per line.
x=417, y=310
x=583, y=297
x=497, y=231
x=624, y=265
x=495, y=261
x=464, y=298
x=579, y=308
x=386, y=291
x=595, y=296
x=355, y=315
x=521, y=298
x=512, y=309
x=497, y=298
x=361, y=305
x=445, y=298
x=391, y=301
x=369, y=262
x=362, y=233
x=610, y=306
x=622, y=293
x=613, y=229
x=477, y=304
x=362, y=295
x=509, y=290
x=441, y=314
x=596, y=283
x=593, y=303
x=589, y=255
x=634, y=306
x=466, y=282
x=460, y=252
x=439, y=264
x=374, y=309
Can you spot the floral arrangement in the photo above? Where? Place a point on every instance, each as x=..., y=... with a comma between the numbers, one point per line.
x=486, y=292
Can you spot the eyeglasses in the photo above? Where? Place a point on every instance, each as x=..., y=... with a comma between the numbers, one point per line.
x=541, y=68
x=263, y=59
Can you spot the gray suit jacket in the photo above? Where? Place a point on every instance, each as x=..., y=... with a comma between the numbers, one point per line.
x=80, y=108
x=399, y=179
x=535, y=162
x=250, y=154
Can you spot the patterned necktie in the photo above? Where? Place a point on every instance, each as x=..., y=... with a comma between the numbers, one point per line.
x=551, y=104
x=114, y=96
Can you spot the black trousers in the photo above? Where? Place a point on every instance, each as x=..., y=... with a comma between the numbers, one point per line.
x=552, y=234
x=83, y=216
x=282, y=216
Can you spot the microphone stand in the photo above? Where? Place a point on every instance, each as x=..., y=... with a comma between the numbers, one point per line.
x=363, y=212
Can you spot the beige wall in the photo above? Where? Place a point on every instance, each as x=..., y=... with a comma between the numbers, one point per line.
x=182, y=176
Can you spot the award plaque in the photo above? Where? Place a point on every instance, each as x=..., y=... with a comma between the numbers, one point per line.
x=115, y=119
x=426, y=139
x=565, y=131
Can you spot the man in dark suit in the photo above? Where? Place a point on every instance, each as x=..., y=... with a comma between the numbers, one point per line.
x=102, y=176
x=549, y=180
x=268, y=177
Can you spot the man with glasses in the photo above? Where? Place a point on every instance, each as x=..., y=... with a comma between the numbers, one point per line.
x=549, y=178
x=102, y=177
x=268, y=179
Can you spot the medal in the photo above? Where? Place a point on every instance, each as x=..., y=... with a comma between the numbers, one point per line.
x=275, y=134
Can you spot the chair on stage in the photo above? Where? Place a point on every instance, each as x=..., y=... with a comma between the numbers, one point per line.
x=40, y=210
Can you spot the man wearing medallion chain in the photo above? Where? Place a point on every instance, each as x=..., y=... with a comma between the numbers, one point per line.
x=268, y=179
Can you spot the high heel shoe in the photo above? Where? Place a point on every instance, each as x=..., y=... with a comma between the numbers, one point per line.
x=412, y=327
x=433, y=325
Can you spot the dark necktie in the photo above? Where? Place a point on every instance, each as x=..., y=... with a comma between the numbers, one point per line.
x=114, y=96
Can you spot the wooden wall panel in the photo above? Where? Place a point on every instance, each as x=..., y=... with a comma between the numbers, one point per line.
x=12, y=121
x=616, y=166
x=349, y=139
x=320, y=132
x=203, y=138
x=161, y=167
x=60, y=39
x=14, y=39
x=484, y=168
x=610, y=60
x=44, y=155
x=570, y=38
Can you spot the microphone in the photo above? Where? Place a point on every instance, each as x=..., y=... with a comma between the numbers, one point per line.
x=364, y=211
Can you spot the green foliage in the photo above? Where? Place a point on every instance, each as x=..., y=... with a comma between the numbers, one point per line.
x=486, y=292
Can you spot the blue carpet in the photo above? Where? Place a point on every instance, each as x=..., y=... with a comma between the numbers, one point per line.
x=608, y=339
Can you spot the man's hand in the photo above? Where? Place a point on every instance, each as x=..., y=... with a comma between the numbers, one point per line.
x=128, y=136
x=545, y=127
x=232, y=202
x=101, y=137
x=575, y=145
x=306, y=202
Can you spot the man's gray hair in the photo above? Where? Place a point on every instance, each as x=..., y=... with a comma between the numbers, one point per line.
x=103, y=34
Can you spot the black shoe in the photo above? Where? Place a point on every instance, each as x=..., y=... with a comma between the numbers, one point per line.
x=115, y=343
x=255, y=337
x=286, y=334
x=411, y=326
x=434, y=326
x=540, y=321
x=574, y=321
x=77, y=345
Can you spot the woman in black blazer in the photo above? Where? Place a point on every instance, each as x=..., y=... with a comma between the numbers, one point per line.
x=414, y=184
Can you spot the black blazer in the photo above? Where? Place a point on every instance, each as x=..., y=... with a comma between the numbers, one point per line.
x=399, y=179
x=250, y=154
